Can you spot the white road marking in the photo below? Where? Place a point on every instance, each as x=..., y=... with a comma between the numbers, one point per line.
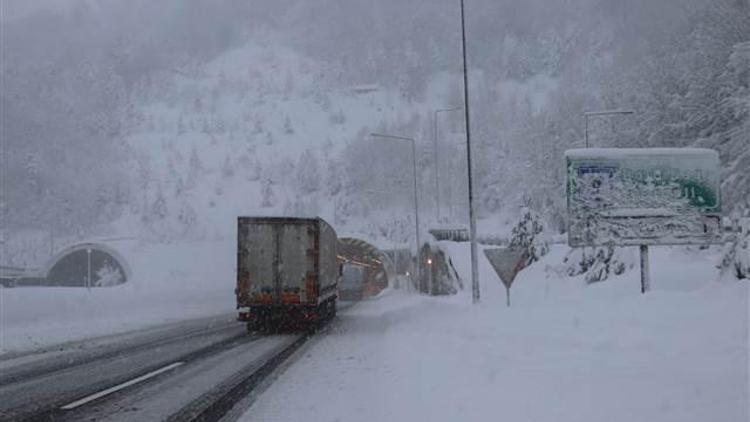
x=118, y=387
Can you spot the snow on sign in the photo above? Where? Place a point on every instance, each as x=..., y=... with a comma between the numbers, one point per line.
x=507, y=263
x=655, y=196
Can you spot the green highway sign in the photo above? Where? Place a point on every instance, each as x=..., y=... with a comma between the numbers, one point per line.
x=650, y=196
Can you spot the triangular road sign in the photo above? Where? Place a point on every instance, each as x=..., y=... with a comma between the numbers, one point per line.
x=507, y=263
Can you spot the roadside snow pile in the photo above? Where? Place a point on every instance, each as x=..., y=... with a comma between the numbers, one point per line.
x=565, y=351
x=170, y=283
x=736, y=259
x=599, y=264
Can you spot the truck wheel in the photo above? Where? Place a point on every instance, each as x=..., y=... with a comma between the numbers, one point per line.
x=252, y=325
x=258, y=324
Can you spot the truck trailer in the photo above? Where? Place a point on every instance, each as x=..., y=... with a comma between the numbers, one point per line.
x=352, y=282
x=287, y=272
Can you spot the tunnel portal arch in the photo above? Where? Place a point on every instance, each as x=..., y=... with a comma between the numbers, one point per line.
x=74, y=265
x=380, y=268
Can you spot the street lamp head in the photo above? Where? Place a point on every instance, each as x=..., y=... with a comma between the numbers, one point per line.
x=607, y=112
x=381, y=135
x=444, y=110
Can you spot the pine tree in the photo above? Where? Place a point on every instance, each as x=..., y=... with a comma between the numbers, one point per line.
x=267, y=194
x=159, y=209
x=288, y=128
x=227, y=170
x=334, y=179
x=195, y=167
x=181, y=129
x=288, y=86
x=736, y=258
x=179, y=188
x=528, y=235
x=257, y=125
x=338, y=118
x=255, y=171
x=308, y=173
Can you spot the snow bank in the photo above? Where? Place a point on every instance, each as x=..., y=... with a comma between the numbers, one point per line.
x=707, y=154
x=564, y=352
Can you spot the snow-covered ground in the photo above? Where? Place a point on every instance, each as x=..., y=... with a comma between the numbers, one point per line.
x=170, y=282
x=563, y=352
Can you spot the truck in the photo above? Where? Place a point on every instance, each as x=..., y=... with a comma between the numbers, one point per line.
x=287, y=272
x=352, y=283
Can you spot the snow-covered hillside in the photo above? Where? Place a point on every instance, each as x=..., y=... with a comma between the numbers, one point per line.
x=259, y=130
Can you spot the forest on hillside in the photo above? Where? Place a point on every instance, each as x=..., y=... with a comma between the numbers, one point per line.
x=68, y=100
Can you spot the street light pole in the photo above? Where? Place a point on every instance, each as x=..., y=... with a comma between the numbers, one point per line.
x=588, y=114
x=416, y=196
x=435, y=147
x=472, y=216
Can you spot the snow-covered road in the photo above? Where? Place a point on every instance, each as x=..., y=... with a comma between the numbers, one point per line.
x=564, y=352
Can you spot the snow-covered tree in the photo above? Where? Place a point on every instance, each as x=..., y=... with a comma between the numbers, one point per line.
x=308, y=173
x=288, y=86
x=179, y=188
x=255, y=170
x=267, y=193
x=736, y=258
x=288, y=128
x=187, y=219
x=158, y=209
x=528, y=235
x=227, y=169
x=338, y=118
x=181, y=128
x=334, y=181
x=195, y=167
x=257, y=125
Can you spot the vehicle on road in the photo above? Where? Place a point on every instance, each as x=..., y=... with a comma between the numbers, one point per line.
x=287, y=272
x=352, y=283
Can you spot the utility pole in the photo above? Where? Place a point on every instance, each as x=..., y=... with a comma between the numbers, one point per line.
x=416, y=192
x=472, y=216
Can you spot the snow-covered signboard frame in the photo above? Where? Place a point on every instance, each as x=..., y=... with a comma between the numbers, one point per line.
x=637, y=197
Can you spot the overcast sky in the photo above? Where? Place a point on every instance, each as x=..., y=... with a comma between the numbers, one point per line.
x=13, y=9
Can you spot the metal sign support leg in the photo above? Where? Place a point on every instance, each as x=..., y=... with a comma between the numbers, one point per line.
x=645, y=276
x=88, y=273
x=507, y=295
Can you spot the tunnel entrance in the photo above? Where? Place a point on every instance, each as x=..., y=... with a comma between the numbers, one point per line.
x=86, y=265
x=366, y=270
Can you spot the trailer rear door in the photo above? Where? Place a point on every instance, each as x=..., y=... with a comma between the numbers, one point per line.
x=297, y=261
x=260, y=241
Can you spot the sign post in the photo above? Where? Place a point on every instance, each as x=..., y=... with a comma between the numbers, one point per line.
x=643, y=197
x=88, y=269
x=645, y=274
x=507, y=263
